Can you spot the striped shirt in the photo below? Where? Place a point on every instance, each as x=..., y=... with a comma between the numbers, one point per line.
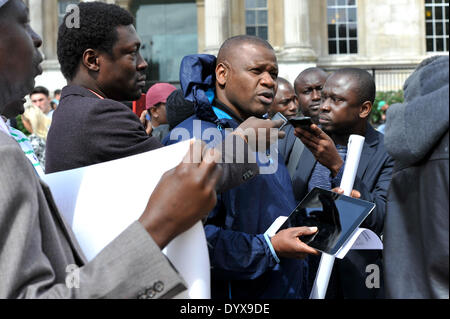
x=321, y=176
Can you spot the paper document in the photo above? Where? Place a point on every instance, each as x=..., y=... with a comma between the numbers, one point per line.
x=361, y=239
x=102, y=200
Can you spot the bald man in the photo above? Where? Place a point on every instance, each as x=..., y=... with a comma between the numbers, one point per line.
x=246, y=263
x=308, y=87
x=285, y=100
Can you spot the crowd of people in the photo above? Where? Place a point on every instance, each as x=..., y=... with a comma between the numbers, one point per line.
x=233, y=96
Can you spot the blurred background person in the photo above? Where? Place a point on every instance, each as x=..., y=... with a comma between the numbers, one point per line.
x=56, y=98
x=285, y=101
x=308, y=89
x=154, y=118
x=40, y=97
x=37, y=123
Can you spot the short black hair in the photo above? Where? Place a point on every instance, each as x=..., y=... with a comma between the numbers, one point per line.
x=58, y=91
x=97, y=30
x=40, y=90
x=230, y=44
x=366, y=84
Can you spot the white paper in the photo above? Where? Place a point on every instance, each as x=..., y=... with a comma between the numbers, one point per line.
x=272, y=230
x=354, y=149
x=319, y=289
x=101, y=201
x=362, y=238
x=189, y=252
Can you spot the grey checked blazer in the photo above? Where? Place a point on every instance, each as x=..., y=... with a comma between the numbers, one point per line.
x=36, y=246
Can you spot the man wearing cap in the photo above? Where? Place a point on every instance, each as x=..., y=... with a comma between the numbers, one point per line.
x=155, y=103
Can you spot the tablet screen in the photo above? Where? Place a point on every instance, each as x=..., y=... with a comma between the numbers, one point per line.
x=336, y=216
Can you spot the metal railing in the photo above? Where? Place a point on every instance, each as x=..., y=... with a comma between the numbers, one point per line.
x=387, y=78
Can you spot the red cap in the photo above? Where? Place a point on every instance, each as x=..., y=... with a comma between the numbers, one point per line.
x=158, y=93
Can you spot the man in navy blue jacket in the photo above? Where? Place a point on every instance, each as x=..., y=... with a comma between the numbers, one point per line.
x=245, y=262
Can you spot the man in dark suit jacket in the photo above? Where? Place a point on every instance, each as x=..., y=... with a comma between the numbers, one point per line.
x=38, y=252
x=103, y=65
x=347, y=99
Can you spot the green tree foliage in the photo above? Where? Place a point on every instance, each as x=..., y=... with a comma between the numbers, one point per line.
x=20, y=126
x=390, y=97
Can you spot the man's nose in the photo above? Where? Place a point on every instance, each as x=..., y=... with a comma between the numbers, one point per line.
x=325, y=105
x=293, y=106
x=141, y=64
x=37, y=40
x=267, y=80
x=316, y=95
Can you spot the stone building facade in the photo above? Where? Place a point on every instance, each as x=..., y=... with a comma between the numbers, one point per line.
x=384, y=36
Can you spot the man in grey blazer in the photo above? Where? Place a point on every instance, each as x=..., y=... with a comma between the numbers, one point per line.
x=38, y=250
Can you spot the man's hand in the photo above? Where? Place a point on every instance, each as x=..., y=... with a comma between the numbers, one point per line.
x=183, y=196
x=287, y=244
x=322, y=147
x=354, y=193
x=146, y=123
x=257, y=131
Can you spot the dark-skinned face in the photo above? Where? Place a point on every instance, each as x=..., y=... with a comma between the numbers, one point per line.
x=309, y=89
x=285, y=101
x=251, y=80
x=19, y=55
x=121, y=76
x=340, y=107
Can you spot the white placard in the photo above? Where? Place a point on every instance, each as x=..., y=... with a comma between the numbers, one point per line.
x=101, y=201
x=354, y=149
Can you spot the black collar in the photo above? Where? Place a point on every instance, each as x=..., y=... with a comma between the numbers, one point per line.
x=227, y=110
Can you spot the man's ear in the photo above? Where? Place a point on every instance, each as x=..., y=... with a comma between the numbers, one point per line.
x=91, y=60
x=365, y=109
x=222, y=71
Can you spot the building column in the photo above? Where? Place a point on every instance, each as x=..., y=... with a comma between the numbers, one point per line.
x=36, y=16
x=217, y=24
x=297, y=44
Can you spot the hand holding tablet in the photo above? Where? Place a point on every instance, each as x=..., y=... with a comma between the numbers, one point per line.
x=336, y=217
